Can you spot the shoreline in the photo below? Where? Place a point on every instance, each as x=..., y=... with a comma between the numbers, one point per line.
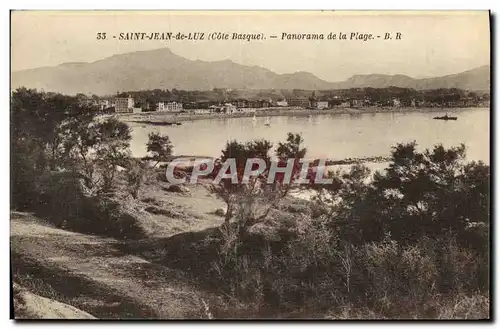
x=162, y=118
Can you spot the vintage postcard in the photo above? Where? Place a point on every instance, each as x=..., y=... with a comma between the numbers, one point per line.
x=250, y=165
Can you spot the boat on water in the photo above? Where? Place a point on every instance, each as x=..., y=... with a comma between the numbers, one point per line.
x=445, y=117
x=268, y=122
x=254, y=118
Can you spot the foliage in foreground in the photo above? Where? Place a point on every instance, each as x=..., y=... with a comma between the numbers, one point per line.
x=70, y=166
x=412, y=242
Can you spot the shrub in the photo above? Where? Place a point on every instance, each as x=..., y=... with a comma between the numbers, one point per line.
x=61, y=197
x=112, y=217
x=135, y=176
x=315, y=267
x=66, y=203
x=462, y=306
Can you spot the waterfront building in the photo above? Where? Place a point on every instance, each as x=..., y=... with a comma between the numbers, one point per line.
x=124, y=104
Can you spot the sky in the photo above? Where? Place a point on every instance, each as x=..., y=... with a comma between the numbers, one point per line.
x=431, y=44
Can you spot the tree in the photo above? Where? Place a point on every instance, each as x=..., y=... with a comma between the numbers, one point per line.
x=39, y=124
x=292, y=148
x=343, y=203
x=160, y=146
x=96, y=149
x=429, y=194
x=112, y=149
x=234, y=193
x=79, y=147
x=40, y=117
x=251, y=202
x=421, y=194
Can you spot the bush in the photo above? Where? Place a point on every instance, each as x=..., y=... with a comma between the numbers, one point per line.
x=315, y=267
x=135, y=176
x=465, y=307
x=61, y=197
x=390, y=272
x=66, y=203
x=112, y=217
x=236, y=273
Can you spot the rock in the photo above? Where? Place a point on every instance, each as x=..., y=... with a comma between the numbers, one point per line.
x=269, y=233
x=177, y=189
x=33, y=306
x=219, y=212
x=120, y=168
x=298, y=208
x=166, y=212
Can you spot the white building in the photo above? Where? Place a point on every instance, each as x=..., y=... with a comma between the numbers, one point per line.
x=105, y=103
x=228, y=108
x=160, y=106
x=321, y=105
x=169, y=107
x=345, y=104
x=282, y=103
x=124, y=104
x=173, y=107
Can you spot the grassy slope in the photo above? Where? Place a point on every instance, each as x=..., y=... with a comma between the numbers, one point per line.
x=99, y=276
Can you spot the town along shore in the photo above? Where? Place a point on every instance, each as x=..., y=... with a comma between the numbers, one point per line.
x=169, y=118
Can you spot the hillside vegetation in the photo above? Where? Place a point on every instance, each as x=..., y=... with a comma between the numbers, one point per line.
x=96, y=229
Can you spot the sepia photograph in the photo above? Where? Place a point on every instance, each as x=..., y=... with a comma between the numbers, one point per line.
x=213, y=165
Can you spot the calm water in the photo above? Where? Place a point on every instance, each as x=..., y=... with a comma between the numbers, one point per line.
x=331, y=136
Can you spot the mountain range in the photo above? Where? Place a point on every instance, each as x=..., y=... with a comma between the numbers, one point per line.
x=162, y=69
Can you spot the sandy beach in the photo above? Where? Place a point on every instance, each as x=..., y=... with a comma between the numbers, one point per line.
x=168, y=118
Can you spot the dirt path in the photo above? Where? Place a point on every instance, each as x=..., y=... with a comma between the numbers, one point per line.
x=95, y=275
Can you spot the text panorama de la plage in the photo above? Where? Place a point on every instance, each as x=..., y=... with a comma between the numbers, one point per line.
x=226, y=36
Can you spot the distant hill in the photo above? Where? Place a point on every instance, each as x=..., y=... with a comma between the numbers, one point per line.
x=477, y=79
x=162, y=69
x=376, y=81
